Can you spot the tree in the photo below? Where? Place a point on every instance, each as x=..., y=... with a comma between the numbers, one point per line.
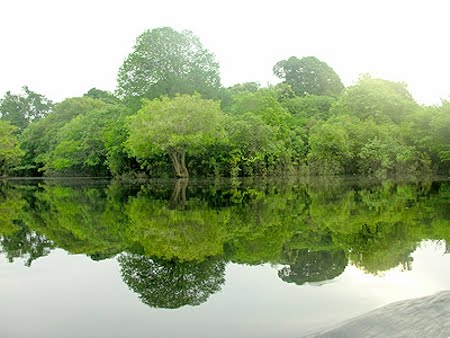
x=171, y=284
x=102, y=95
x=175, y=126
x=383, y=100
x=20, y=110
x=330, y=149
x=307, y=266
x=440, y=134
x=80, y=142
x=167, y=62
x=10, y=153
x=41, y=137
x=309, y=76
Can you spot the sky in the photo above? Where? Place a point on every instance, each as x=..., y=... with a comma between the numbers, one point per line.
x=63, y=48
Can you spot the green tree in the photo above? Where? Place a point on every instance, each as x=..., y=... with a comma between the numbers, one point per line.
x=41, y=138
x=10, y=153
x=20, y=110
x=309, y=76
x=330, y=149
x=80, y=142
x=308, y=266
x=171, y=284
x=102, y=95
x=165, y=63
x=263, y=135
x=383, y=100
x=311, y=106
x=184, y=229
x=175, y=126
x=440, y=134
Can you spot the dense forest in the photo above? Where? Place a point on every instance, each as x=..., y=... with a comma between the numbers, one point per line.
x=170, y=115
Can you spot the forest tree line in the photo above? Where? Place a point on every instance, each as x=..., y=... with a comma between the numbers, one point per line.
x=170, y=114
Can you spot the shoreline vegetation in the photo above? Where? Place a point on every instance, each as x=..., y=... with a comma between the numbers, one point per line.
x=171, y=117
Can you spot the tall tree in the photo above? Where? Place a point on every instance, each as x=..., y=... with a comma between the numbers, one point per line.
x=167, y=62
x=175, y=126
x=20, y=110
x=309, y=76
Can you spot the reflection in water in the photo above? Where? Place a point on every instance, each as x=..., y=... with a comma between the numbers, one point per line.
x=313, y=266
x=171, y=284
x=175, y=239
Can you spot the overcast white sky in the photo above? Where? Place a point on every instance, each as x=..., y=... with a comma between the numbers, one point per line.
x=64, y=48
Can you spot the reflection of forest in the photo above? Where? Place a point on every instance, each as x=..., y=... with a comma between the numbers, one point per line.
x=176, y=241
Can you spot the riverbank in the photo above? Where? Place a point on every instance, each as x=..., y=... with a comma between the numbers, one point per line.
x=420, y=317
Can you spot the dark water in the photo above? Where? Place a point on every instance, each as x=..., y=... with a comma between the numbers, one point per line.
x=93, y=258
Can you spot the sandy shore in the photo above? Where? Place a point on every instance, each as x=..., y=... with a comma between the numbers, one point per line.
x=421, y=317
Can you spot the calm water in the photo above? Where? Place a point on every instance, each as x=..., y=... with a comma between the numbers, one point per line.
x=93, y=258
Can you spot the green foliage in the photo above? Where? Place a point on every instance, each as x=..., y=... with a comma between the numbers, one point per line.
x=309, y=76
x=310, y=106
x=162, y=118
x=41, y=138
x=10, y=153
x=188, y=231
x=21, y=110
x=440, y=133
x=308, y=266
x=80, y=142
x=11, y=203
x=264, y=138
x=102, y=95
x=166, y=63
x=383, y=100
x=184, y=124
x=330, y=149
x=314, y=229
x=171, y=284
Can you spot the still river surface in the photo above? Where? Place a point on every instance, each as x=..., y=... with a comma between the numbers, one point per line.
x=278, y=258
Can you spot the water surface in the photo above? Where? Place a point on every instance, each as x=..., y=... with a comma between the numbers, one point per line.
x=96, y=258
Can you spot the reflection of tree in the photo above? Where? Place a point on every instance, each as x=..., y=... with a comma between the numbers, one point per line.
x=191, y=232
x=304, y=226
x=25, y=244
x=382, y=246
x=171, y=284
x=313, y=266
x=79, y=219
x=179, y=192
x=16, y=239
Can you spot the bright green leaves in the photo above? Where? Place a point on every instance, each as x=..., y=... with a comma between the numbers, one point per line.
x=81, y=145
x=10, y=153
x=184, y=124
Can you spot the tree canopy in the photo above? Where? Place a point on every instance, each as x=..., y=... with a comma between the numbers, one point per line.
x=22, y=109
x=309, y=76
x=175, y=126
x=160, y=118
x=166, y=62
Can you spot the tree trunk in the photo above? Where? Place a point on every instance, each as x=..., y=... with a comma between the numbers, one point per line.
x=179, y=193
x=179, y=163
